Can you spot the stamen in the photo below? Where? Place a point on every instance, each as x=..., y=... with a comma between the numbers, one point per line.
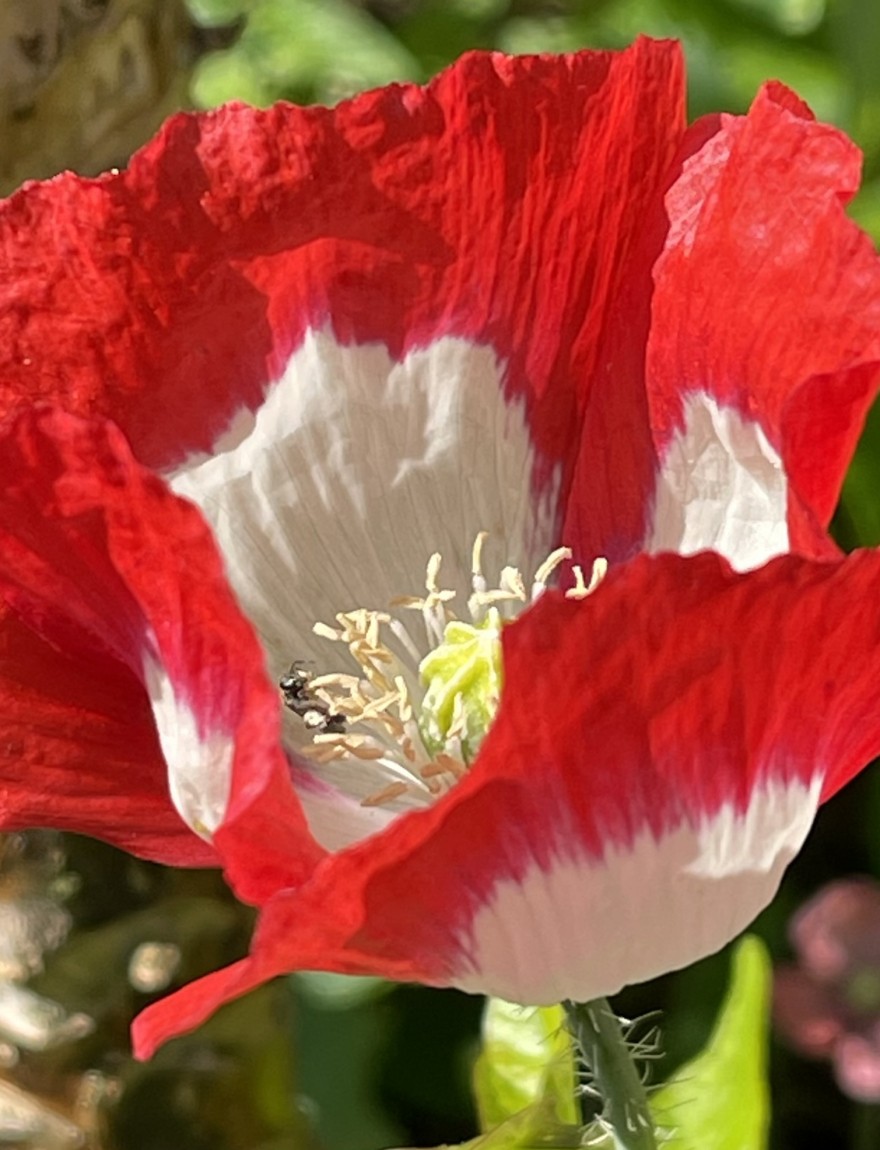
x=337, y=679
x=401, y=634
x=512, y=582
x=433, y=606
x=542, y=575
x=422, y=716
x=403, y=697
x=319, y=753
x=581, y=589
x=511, y=588
x=432, y=572
x=358, y=745
x=443, y=765
x=600, y=570
x=478, y=580
x=386, y=795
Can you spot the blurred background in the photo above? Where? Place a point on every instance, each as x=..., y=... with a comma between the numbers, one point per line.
x=87, y=935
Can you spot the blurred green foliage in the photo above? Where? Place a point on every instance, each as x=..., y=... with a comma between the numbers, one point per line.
x=322, y=50
x=525, y=1074
x=526, y=1060
x=720, y=1099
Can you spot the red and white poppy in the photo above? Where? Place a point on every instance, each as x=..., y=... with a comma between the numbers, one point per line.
x=525, y=306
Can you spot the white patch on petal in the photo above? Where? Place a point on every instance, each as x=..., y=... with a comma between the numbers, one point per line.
x=721, y=487
x=352, y=473
x=336, y=819
x=199, y=769
x=589, y=927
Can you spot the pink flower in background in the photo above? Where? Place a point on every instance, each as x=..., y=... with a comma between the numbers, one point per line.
x=828, y=1005
x=258, y=380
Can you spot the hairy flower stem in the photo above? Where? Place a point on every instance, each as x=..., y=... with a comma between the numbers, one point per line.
x=598, y=1034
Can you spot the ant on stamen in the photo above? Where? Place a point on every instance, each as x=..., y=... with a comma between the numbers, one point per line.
x=298, y=697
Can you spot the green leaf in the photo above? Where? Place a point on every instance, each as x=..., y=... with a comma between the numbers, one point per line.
x=527, y=1062
x=857, y=521
x=720, y=1100
x=533, y=1129
x=339, y=991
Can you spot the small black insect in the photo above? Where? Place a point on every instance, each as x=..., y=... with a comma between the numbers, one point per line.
x=298, y=697
x=295, y=686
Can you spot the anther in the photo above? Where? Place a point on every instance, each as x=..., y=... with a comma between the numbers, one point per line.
x=581, y=588
x=383, y=713
x=542, y=575
x=386, y=795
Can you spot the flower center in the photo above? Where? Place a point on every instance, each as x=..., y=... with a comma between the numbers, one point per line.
x=418, y=717
x=462, y=678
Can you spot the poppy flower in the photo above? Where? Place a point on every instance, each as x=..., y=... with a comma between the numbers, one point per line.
x=312, y=368
x=828, y=1004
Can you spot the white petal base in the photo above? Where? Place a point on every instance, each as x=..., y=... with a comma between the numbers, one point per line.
x=639, y=912
x=355, y=469
x=335, y=818
x=336, y=492
x=721, y=487
x=199, y=769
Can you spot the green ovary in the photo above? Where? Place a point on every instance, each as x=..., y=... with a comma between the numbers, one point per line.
x=467, y=667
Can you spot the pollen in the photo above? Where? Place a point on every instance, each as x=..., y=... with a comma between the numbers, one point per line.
x=415, y=711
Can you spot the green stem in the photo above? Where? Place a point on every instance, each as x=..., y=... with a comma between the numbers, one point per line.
x=866, y=1133
x=597, y=1032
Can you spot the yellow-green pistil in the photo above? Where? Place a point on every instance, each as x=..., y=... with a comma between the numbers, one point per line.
x=462, y=678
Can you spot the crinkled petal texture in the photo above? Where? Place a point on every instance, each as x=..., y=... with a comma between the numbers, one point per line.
x=130, y=677
x=521, y=300
x=497, y=205
x=656, y=761
x=353, y=336
x=743, y=351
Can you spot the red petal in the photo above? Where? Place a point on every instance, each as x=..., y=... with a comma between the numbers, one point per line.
x=655, y=764
x=768, y=298
x=71, y=727
x=117, y=574
x=496, y=204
